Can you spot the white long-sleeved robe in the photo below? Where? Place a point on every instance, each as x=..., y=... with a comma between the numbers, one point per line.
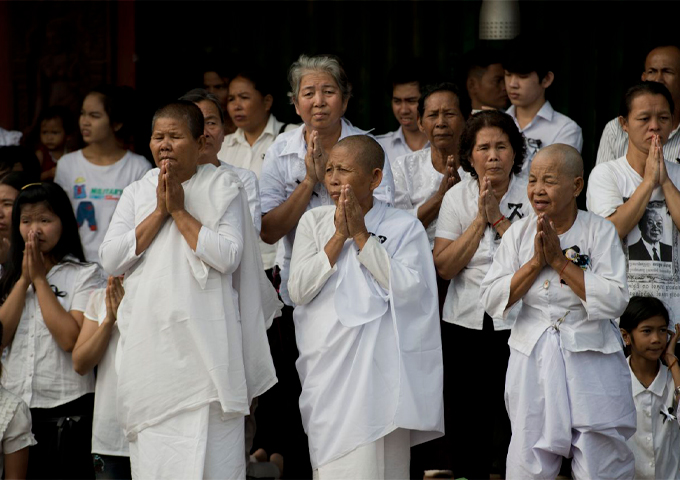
x=368, y=333
x=192, y=323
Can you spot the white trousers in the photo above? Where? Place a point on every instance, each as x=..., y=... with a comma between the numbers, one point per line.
x=193, y=445
x=569, y=404
x=388, y=458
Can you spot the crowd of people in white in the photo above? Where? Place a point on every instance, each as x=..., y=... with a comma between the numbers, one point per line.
x=312, y=301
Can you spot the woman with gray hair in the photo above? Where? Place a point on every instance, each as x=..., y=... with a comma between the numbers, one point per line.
x=290, y=184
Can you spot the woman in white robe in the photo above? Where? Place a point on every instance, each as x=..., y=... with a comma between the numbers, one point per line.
x=366, y=325
x=193, y=350
x=567, y=391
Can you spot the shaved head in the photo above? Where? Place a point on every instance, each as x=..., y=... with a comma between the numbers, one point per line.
x=184, y=111
x=567, y=157
x=366, y=150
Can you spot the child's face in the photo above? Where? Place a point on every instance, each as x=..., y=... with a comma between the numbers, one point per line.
x=37, y=217
x=525, y=89
x=52, y=134
x=649, y=339
x=94, y=122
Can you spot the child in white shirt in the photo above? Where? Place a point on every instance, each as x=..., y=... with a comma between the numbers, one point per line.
x=656, y=387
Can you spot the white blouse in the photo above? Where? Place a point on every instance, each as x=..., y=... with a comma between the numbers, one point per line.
x=415, y=181
x=36, y=368
x=458, y=211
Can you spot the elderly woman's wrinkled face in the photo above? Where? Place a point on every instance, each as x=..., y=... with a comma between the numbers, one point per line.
x=319, y=102
x=442, y=120
x=492, y=155
x=343, y=168
x=551, y=191
x=172, y=142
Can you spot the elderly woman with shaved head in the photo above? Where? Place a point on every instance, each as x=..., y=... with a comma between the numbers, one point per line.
x=193, y=349
x=366, y=323
x=568, y=390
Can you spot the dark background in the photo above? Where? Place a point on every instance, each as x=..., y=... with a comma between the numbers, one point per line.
x=54, y=52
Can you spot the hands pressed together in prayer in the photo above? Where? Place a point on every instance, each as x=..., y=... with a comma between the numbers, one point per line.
x=114, y=295
x=547, y=249
x=655, y=168
x=489, y=210
x=451, y=176
x=349, y=218
x=315, y=159
x=33, y=269
x=169, y=192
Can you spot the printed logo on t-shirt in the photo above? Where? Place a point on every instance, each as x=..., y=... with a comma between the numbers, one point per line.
x=85, y=213
x=79, y=189
x=651, y=244
x=106, y=193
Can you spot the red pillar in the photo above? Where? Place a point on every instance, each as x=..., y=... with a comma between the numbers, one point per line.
x=125, y=51
x=6, y=103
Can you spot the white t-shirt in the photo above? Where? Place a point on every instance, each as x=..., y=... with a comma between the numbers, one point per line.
x=458, y=211
x=94, y=191
x=107, y=434
x=36, y=367
x=610, y=185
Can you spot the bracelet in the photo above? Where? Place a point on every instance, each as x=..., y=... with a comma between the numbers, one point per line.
x=498, y=221
x=565, y=266
x=670, y=365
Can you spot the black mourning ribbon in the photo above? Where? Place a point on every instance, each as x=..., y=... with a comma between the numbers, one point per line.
x=57, y=293
x=515, y=210
x=313, y=192
x=667, y=415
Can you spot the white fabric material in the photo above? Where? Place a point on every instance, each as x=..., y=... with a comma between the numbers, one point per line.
x=609, y=186
x=238, y=152
x=370, y=350
x=394, y=144
x=458, y=211
x=385, y=459
x=549, y=127
x=35, y=366
x=94, y=191
x=589, y=324
x=656, y=443
x=9, y=138
x=614, y=143
x=193, y=445
x=107, y=434
x=415, y=181
x=252, y=188
x=192, y=329
x=568, y=404
x=15, y=425
x=284, y=169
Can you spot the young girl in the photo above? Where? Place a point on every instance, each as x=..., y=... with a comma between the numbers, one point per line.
x=656, y=388
x=44, y=289
x=96, y=345
x=94, y=177
x=55, y=126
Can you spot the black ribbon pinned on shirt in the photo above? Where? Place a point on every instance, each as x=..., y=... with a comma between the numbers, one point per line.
x=515, y=210
x=57, y=293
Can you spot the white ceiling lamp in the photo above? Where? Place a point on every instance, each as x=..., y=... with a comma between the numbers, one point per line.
x=499, y=20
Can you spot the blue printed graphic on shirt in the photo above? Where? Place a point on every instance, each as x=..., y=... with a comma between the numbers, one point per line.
x=85, y=213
